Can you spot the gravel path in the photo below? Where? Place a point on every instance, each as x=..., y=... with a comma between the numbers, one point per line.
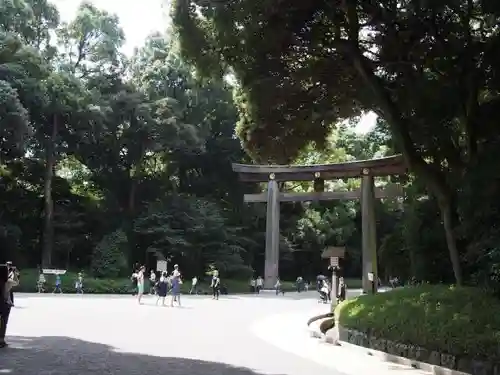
x=68, y=335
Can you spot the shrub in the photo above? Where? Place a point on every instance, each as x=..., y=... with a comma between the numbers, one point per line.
x=459, y=321
x=120, y=285
x=29, y=278
x=108, y=258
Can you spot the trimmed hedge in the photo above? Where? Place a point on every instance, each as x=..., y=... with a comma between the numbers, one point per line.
x=29, y=278
x=463, y=322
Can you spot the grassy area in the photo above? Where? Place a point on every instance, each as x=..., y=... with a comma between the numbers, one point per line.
x=29, y=278
x=458, y=321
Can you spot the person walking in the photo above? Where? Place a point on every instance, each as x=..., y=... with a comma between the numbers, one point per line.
x=152, y=282
x=299, y=283
x=79, y=283
x=58, y=286
x=342, y=290
x=215, y=285
x=253, y=285
x=133, y=278
x=176, y=286
x=194, y=287
x=40, y=285
x=140, y=284
x=162, y=289
x=278, y=287
x=259, y=284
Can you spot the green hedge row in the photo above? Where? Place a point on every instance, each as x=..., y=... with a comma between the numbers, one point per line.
x=460, y=321
x=92, y=285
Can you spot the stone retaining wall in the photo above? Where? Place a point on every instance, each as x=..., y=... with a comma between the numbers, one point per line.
x=417, y=354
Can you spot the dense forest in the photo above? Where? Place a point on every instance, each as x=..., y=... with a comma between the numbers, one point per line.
x=107, y=160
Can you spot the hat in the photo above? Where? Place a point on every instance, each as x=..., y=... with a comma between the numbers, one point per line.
x=176, y=266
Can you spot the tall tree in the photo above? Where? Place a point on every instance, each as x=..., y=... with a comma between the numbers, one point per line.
x=428, y=68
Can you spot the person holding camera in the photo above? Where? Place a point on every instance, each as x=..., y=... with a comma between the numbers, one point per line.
x=7, y=281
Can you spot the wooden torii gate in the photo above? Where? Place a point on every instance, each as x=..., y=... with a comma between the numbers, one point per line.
x=365, y=169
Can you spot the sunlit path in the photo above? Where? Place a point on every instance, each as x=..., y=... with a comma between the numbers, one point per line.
x=108, y=335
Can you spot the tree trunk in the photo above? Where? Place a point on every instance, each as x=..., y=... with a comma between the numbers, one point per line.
x=447, y=215
x=48, y=230
x=131, y=197
x=432, y=177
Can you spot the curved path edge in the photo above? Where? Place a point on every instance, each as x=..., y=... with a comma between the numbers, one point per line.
x=289, y=333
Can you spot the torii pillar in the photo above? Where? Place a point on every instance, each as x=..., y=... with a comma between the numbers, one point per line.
x=369, y=232
x=271, y=266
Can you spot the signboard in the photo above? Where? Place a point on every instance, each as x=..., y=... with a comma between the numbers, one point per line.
x=333, y=251
x=51, y=271
x=334, y=261
x=161, y=265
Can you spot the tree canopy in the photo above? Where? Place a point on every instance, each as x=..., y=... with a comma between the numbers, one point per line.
x=107, y=160
x=429, y=69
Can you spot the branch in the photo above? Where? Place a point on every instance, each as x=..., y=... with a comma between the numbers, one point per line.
x=351, y=14
x=470, y=85
x=399, y=127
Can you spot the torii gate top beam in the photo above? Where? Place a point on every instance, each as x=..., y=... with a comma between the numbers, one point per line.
x=391, y=165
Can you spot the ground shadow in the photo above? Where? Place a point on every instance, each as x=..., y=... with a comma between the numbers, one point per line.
x=68, y=356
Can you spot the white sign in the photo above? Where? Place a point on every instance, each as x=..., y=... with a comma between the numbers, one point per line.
x=370, y=276
x=50, y=271
x=334, y=261
x=161, y=265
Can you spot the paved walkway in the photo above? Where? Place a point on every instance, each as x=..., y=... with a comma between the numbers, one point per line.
x=247, y=335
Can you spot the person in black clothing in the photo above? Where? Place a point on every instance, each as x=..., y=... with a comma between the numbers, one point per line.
x=5, y=303
x=342, y=290
x=135, y=271
x=162, y=288
x=215, y=285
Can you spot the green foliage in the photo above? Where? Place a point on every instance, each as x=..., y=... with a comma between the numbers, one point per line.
x=426, y=68
x=195, y=229
x=121, y=285
x=143, y=145
x=108, y=258
x=29, y=279
x=446, y=319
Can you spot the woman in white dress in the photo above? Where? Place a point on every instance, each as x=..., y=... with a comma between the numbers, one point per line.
x=140, y=283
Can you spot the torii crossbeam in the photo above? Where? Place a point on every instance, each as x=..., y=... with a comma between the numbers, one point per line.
x=364, y=169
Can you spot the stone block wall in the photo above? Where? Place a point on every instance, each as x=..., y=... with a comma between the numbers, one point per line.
x=414, y=353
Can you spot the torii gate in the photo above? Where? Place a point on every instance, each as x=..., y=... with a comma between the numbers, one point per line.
x=364, y=169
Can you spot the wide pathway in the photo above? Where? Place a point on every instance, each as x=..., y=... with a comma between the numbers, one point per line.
x=237, y=335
